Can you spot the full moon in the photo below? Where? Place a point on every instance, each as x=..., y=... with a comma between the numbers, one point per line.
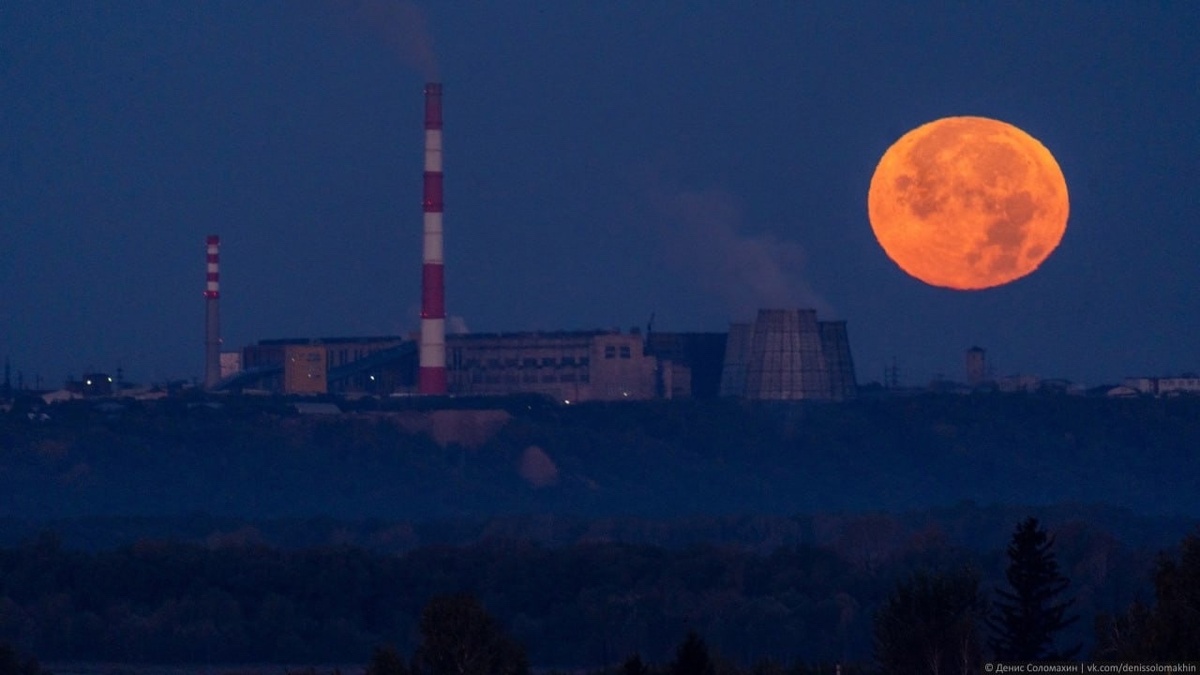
x=968, y=203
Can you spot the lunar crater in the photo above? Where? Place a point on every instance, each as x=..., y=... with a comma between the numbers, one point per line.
x=968, y=203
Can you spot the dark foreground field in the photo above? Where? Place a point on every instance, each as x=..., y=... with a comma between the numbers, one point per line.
x=238, y=531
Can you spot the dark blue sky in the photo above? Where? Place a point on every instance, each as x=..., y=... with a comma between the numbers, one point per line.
x=604, y=160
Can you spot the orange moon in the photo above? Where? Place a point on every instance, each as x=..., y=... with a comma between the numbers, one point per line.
x=968, y=203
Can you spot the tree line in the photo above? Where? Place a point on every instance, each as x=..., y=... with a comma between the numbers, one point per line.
x=601, y=604
x=937, y=622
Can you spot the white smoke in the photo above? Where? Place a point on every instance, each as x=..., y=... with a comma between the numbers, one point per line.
x=400, y=24
x=703, y=234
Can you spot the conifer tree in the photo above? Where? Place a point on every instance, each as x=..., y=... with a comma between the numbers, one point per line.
x=1033, y=610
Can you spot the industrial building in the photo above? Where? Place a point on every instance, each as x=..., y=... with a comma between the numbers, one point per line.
x=783, y=355
x=689, y=364
x=567, y=366
x=336, y=365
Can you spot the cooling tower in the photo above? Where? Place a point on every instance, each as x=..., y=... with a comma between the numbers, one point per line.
x=835, y=344
x=212, y=316
x=431, y=374
x=786, y=361
x=737, y=350
x=785, y=355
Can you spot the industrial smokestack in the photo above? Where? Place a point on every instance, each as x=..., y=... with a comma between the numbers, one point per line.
x=431, y=375
x=212, y=317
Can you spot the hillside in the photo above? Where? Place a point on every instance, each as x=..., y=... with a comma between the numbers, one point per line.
x=256, y=458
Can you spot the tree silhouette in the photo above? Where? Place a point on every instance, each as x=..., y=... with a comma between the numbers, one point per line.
x=1032, y=612
x=11, y=663
x=929, y=624
x=1170, y=629
x=459, y=637
x=692, y=657
x=634, y=666
x=387, y=661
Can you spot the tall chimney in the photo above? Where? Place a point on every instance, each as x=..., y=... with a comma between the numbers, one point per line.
x=212, y=316
x=431, y=375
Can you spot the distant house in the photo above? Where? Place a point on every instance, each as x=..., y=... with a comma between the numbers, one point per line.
x=1188, y=383
x=308, y=408
x=1017, y=383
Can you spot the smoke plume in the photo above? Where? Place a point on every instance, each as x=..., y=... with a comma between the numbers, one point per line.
x=704, y=237
x=401, y=25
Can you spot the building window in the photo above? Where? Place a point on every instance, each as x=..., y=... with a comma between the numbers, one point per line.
x=493, y=363
x=583, y=376
x=529, y=363
x=547, y=363
x=583, y=360
x=510, y=363
x=625, y=351
x=568, y=360
x=567, y=377
x=610, y=352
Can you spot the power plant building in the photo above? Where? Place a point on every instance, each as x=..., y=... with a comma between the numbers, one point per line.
x=567, y=366
x=782, y=355
x=689, y=364
x=373, y=365
x=786, y=355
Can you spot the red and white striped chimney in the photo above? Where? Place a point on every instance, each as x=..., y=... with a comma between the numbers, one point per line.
x=212, y=317
x=431, y=374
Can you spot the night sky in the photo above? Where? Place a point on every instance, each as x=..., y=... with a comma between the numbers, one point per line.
x=604, y=161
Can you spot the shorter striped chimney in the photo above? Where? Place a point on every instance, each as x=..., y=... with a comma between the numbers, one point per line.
x=212, y=316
